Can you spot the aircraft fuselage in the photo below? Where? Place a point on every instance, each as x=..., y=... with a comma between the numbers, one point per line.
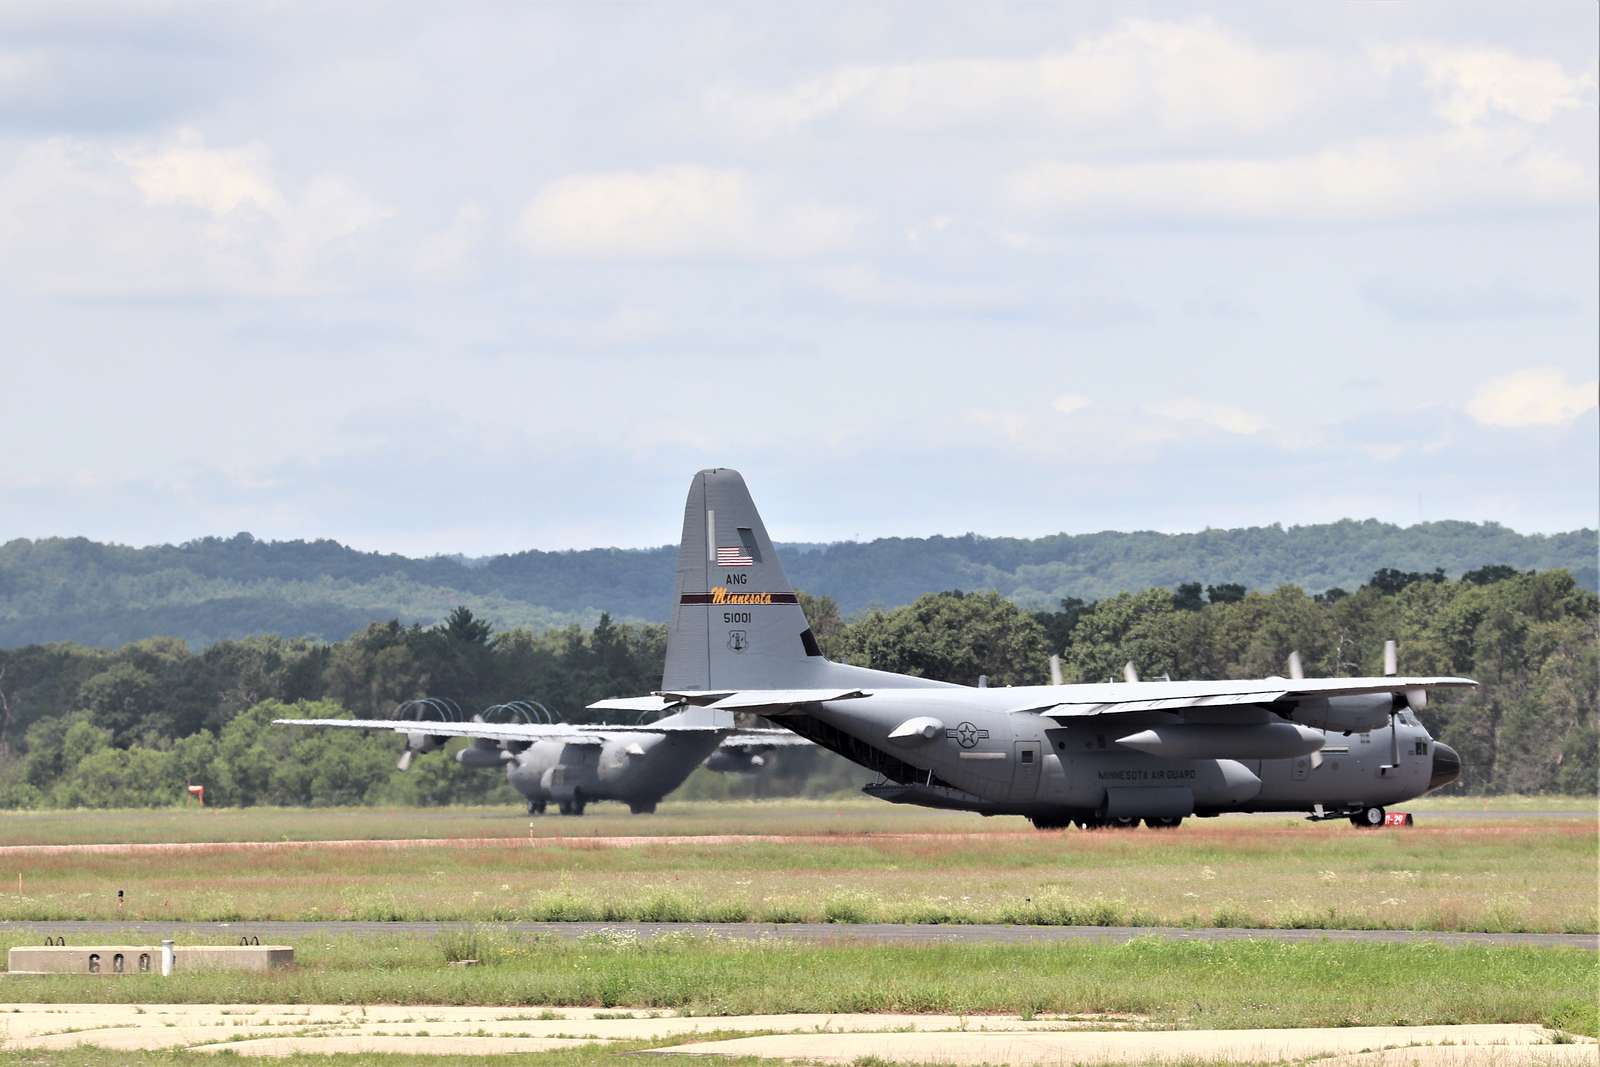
x=994, y=761
x=636, y=769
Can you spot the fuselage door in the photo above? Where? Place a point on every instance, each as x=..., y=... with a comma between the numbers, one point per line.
x=1025, y=773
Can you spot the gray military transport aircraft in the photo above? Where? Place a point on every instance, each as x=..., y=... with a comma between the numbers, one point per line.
x=1093, y=755
x=570, y=765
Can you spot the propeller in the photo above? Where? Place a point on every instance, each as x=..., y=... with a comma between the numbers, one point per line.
x=1055, y=670
x=1391, y=668
x=414, y=744
x=1297, y=672
x=1130, y=673
x=444, y=709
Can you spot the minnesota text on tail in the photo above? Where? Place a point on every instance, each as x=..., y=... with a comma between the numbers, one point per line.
x=1091, y=754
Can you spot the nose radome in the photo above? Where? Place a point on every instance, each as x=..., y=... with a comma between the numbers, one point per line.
x=1446, y=766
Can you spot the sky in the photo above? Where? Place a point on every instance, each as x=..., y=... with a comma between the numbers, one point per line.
x=481, y=278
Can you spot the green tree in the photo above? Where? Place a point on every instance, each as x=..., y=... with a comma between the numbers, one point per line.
x=953, y=637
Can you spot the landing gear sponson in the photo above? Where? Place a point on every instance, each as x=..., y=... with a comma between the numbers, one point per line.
x=1095, y=822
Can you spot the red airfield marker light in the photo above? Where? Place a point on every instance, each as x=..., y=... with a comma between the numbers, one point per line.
x=199, y=793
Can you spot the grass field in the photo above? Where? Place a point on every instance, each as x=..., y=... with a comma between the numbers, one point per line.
x=1513, y=874
x=1166, y=983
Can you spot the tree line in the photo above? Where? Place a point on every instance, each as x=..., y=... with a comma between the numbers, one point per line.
x=214, y=589
x=90, y=727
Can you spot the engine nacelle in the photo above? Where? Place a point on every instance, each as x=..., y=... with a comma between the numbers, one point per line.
x=733, y=761
x=1347, y=714
x=483, y=753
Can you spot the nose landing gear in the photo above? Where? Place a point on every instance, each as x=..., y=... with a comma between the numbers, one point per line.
x=1368, y=818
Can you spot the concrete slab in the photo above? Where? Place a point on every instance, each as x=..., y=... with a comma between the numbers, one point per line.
x=133, y=1038
x=1451, y=1056
x=418, y=1046
x=1486, y=1042
x=281, y=1029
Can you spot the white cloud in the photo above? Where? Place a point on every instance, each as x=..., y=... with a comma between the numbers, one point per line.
x=146, y=217
x=1179, y=75
x=446, y=253
x=1215, y=416
x=1374, y=178
x=1470, y=84
x=1013, y=427
x=865, y=285
x=216, y=180
x=673, y=212
x=1537, y=397
x=1068, y=403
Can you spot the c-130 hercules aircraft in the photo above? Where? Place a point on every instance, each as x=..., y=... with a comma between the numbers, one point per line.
x=1093, y=755
x=571, y=764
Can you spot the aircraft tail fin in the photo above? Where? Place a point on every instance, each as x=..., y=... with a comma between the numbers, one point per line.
x=736, y=622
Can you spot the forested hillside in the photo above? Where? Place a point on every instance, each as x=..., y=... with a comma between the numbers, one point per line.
x=216, y=589
x=93, y=727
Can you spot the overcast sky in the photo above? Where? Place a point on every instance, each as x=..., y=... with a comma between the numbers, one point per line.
x=477, y=278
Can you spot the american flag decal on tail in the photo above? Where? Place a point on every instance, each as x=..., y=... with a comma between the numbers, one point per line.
x=733, y=557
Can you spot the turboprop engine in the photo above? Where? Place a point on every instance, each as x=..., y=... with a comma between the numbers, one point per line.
x=484, y=753
x=421, y=709
x=735, y=761
x=416, y=744
x=1350, y=714
x=1357, y=713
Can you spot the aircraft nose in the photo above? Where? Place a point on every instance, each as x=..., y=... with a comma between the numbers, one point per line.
x=1446, y=766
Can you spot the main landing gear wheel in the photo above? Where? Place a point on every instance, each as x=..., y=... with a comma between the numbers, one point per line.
x=535, y=807
x=1368, y=818
x=1044, y=822
x=646, y=808
x=1089, y=824
x=573, y=806
x=1166, y=823
x=1125, y=822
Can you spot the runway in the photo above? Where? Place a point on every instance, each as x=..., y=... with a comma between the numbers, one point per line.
x=83, y=932
x=576, y=833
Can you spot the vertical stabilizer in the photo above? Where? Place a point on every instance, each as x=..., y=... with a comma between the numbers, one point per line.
x=736, y=623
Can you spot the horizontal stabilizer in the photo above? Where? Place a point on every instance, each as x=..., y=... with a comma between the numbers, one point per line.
x=777, y=701
x=700, y=698
x=649, y=703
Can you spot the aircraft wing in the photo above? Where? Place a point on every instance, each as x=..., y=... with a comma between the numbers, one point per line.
x=1183, y=696
x=571, y=733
